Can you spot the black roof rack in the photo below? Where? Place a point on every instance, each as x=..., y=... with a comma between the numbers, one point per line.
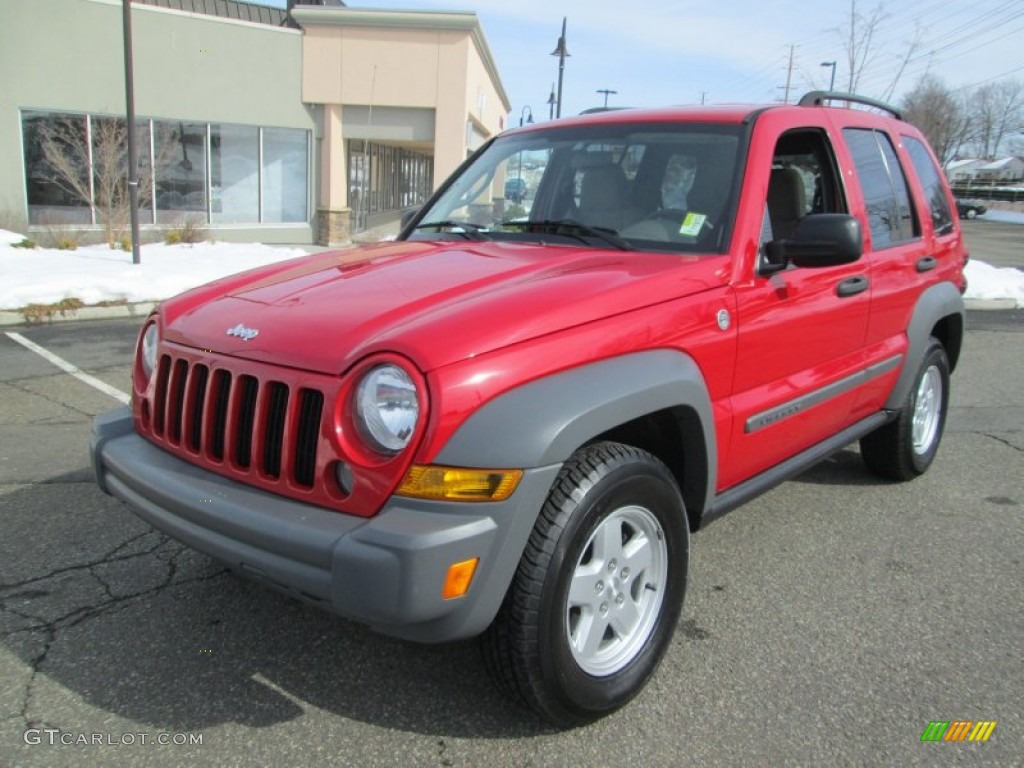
x=818, y=99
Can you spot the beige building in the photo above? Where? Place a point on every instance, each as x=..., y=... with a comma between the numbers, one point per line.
x=299, y=125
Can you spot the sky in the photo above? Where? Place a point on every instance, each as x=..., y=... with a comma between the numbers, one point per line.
x=661, y=52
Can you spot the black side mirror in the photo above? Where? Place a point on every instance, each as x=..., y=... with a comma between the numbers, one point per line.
x=408, y=215
x=819, y=240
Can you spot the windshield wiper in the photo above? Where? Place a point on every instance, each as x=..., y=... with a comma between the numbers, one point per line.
x=572, y=228
x=470, y=230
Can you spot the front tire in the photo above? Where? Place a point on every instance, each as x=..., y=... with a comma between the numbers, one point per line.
x=906, y=447
x=598, y=592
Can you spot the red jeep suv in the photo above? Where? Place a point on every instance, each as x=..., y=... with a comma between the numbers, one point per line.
x=509, y=421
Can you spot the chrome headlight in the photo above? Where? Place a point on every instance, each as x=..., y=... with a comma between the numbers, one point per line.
x=150, y=343
x=387, y=408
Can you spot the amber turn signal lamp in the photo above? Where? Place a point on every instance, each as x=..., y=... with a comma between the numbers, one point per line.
x=456, y=584
x=457, y=484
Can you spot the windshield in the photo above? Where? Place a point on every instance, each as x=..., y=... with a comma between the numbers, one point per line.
x=640, y=186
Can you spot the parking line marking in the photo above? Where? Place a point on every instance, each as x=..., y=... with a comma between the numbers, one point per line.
x=67, y=367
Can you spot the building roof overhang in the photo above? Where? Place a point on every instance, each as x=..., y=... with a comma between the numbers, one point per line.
x=439, y=20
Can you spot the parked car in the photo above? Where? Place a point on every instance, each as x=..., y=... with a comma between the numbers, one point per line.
x=511, y=427
x=970, y=209
x=516, y=189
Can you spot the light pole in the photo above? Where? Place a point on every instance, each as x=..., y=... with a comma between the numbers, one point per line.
x=832, y=82
x=607, y=92
x=561, y=52
x=529, y=119
x=551, y=103
x=129, y=119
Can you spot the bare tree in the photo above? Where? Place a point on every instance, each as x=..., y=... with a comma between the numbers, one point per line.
x=996, y=110
x=912, y=48
x=941, y=116
x=70, y=152
x=859, y=39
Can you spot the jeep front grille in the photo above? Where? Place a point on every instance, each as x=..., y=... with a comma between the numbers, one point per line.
x=243, y=422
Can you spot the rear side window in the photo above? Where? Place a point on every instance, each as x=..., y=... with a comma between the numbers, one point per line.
x=931, y=180
x=887, y=199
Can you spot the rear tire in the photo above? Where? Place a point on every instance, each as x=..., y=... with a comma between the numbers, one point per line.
x=905, y=448
x=595, y=600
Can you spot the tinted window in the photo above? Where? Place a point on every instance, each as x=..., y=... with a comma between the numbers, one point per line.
x=890, y=215
x=931, y=180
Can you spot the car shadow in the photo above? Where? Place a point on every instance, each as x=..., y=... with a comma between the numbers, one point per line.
x=154, y=632
x=844, y=468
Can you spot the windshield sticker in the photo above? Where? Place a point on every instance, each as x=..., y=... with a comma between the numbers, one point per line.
x=692, y=224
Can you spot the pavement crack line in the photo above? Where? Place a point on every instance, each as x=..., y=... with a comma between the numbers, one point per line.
x=109, y=557
x=34, y=664
x=47, y=398
x=73, y=618
x=1004, y=441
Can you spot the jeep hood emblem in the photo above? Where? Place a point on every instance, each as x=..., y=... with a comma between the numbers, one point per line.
x=246, y=334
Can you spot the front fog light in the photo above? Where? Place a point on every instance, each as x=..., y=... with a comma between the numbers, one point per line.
x=150, y=342
x=387, y=408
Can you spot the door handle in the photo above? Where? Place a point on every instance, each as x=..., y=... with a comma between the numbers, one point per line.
x=926, y=263
x=851, y=286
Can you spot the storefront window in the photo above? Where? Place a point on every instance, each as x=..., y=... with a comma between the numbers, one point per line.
x=56, y=168
x=285, y=175
x=76, y=171
x=234, y=173
x=181, y=182
x=385, y=178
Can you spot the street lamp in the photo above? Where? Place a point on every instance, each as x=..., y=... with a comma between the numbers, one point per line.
x=561, y=52
x=607, y=92
x=832, y=83
x=551, y=103
x=529, y=119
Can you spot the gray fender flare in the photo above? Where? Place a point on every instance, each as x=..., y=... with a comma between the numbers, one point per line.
x=937, y=302
x=544, y=421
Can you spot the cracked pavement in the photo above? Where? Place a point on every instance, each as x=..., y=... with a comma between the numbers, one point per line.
x=827, y=621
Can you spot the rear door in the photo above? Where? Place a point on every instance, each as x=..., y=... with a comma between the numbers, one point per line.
x=901, y=258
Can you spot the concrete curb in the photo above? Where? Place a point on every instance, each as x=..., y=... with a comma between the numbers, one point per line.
x=9, y=317
x=988, y=304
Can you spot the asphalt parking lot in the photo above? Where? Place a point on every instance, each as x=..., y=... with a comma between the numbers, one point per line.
x=998, y=243
x=827, y=622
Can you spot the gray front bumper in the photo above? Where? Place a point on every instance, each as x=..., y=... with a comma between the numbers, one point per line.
x=386, y=571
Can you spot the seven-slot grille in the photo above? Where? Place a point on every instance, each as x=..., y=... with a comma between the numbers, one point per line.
x=240, y=421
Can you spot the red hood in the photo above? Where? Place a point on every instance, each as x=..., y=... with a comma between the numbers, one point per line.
x=434, y=302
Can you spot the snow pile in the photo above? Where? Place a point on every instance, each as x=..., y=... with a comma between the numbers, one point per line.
x=10, y=238
x=987, y=282
x=96, y=273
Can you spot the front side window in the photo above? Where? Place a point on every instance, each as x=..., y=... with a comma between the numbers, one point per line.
x=884, y=185
x=663, y=187
x=804, y=180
